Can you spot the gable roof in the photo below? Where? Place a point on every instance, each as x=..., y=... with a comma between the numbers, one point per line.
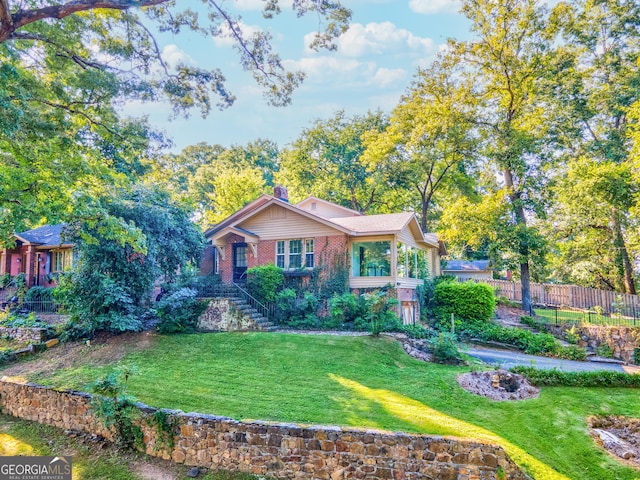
x=352, y=225
x=307, y=203
x=467, y=265
x=47, y=236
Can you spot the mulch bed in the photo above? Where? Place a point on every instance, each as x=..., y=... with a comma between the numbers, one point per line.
x=620, y=436
x=498, y=385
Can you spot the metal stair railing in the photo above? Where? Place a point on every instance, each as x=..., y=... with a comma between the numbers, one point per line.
x=267, y=310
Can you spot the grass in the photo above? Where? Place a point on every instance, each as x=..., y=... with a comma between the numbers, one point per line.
x=576, y=316
x=365, y=382
x=21, y=437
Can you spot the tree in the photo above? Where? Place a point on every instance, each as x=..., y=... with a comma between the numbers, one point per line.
x=114, y=277
x=430, y=141
x=64, y=66
x=508, y=59
x=325, y=161
x=599, y=65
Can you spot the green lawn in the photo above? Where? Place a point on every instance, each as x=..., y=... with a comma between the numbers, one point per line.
x=367, y=382
x=575, y=316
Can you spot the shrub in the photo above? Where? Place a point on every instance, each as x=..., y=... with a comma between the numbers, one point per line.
x=470, y=303
x=504, y=300
x=605, y=351
x=571, y=336
x=345, y=308
x=265, y=281
x=179, y=312
x=39, y=294
x=426, y=294
x=417, y=331
x=296, y=312
x=379, y=317
x=445, y=349
x=529, y=342
x=532, y=322
x=601, y=378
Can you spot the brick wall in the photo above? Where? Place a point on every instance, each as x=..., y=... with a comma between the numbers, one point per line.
x=278, y=450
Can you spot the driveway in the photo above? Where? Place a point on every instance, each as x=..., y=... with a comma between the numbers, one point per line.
x=507, y=359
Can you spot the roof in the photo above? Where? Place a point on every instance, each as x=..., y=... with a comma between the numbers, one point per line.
x=390, y=222
x=467, y=266
x=47, y=235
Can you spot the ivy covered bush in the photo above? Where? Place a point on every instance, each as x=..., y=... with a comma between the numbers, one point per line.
x=296, y=311
x=179, y=312
x=470, y=303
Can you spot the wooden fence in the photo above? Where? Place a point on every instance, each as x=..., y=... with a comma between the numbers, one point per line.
x=571, y=296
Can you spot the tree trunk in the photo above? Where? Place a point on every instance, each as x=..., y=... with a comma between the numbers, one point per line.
x=521, y=219
x=623, y=254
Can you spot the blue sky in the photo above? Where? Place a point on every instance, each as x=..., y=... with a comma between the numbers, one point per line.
x=374, y=65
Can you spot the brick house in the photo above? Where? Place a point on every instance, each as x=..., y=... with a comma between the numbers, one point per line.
x=378, y=250
x=40, y=254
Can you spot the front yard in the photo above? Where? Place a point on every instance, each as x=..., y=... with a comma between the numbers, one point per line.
x=355, y=381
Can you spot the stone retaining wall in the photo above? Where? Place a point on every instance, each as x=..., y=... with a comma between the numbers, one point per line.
x=24, y=334
x=222, y=315
x=622, y=340
x=278, y=450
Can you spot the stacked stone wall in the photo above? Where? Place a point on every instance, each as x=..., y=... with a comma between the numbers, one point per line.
x=24, y=334
x=623, y=341
x=277, y=450
x=222, y=315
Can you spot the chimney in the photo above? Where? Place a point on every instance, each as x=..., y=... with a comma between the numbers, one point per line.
x=281, y=193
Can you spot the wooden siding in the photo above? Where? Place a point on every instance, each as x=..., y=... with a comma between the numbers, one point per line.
x=276, y=223
x=325, y=209
x=565, y=295
x=370, y=282
x=406, y=237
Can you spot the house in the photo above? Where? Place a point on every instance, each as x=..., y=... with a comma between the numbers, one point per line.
x=469, y=269
x=40, y=254
x=378, y=250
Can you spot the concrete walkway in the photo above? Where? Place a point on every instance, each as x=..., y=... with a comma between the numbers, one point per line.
x=507, y=359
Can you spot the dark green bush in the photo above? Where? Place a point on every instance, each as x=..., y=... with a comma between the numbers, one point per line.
x=264, y=282
x=444, y=349
x=346, y=309
x=470, y=303
x=179, y=312
x=525, y=340
x=378, y=316
x=417, y=331
x=296, y=312
x=602, y=378
x=39, y=294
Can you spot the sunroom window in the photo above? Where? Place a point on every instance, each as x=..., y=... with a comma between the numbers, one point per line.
x=371, y=259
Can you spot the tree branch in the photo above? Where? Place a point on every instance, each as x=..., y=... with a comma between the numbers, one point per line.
x=24, y=17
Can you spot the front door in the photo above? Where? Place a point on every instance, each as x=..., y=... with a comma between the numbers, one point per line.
x=239, y=262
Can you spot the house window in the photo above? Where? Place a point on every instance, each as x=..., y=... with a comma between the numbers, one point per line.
x=371, y=259
x=280, y=253
x=308, y=253
x=61, y=260
x=216, y=261
x=412, y=262
x=295, y=253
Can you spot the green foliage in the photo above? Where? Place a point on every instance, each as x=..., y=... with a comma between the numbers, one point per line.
x=117, y=411
x=571, y=336
x=604, y=350
x=379, y=316
x=165, y=426
x=11, y=319
x=525, y=340
x=264, y=282
x=504, y=300
x=600, y=379
x=417, y=331
x=38, y=293
x=346, y=309
x=179, y=312
x=444, y=349
x=533, y=323
x=470, y=303
x=113, y=280
x=5, y=280
x=296, y=312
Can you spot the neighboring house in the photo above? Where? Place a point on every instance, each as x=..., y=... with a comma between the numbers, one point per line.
x=40, y=254
x=378, y=250
x=469, y=269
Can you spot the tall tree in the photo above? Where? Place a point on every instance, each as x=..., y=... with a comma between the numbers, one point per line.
x=508, y=58
x=599, y=65
x=325, y=161
x=430, y=142
x=65, y=65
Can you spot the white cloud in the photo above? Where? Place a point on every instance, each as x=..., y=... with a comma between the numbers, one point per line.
x=225, y=39
x=173, y=55
x=385, y=77
x=378, y=38
x=429, y=7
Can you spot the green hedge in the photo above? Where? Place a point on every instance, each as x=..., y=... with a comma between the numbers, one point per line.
x=525, y=340
x=265, y=281
x=470, y=303
x=602, y=378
